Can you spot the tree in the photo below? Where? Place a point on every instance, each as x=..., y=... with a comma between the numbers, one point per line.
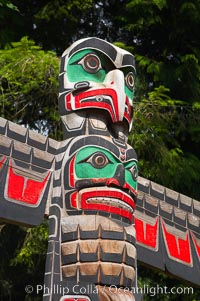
x=29, y=86
x=164, y=37
x=22, y=261
x=52, y=24
x=157, y=124
x=7, y=8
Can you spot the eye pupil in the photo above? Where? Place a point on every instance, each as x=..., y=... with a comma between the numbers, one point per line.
x=99, y=160
x=130, y=80
x=91, y=63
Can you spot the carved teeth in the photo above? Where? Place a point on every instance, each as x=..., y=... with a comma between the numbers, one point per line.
x=110, y=201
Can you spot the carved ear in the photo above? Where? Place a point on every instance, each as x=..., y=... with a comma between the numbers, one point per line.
x=26, y=160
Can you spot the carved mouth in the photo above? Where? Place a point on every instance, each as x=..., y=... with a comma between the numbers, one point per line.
x=105, y=98
x=105, y=199
x=110, y=202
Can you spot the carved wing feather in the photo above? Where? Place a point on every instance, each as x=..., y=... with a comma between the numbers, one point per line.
x=26, y=167
x=168, y=230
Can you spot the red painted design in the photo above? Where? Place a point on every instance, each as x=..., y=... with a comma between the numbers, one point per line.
x=111, y=181
x=128, y=111
x=88, y=200
x=73, y=199
x=147, y=234
x=130, y=188
x=75, y=299
x=177, y=247
x=24, y=190
x=197, y=246
x=2, y=161
x=81, y=101
x=71, y=172
x=68, y=102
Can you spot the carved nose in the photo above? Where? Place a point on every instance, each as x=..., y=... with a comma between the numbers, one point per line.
x=115, y=76
x=118, y=178
x=115, y=80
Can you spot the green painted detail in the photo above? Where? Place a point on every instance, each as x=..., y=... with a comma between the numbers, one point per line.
x=76, y=73
x=129, y=93
x=86, y=168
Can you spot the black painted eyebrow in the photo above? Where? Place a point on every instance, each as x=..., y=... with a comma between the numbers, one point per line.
x=96, y=44
x=128, y=60
x=93, y=140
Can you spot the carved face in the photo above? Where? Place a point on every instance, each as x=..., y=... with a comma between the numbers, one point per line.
x=97, y=75
x=101, y=175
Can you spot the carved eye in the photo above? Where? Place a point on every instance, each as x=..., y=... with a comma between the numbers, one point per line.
x=129, y=78
x=134, y=172
x=91, y=63
x=98, y=160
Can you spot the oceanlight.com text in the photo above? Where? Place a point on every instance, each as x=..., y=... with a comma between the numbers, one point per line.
x=61, y=290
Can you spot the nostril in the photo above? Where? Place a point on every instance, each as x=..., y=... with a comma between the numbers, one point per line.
x=112, y=182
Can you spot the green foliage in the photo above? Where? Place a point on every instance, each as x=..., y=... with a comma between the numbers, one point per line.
x=166, y=42
x=8, y=12
x=157, y=126
x=33, y=247
x=22, y=260
x=158, y=287
x=7, y=3
x=166, y=121
x=57, y=9
x=29, y=86
x=51, y=24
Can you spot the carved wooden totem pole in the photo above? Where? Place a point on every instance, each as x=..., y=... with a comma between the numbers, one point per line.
x=87, y=185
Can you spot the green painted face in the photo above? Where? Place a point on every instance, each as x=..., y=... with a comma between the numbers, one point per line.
x=93, y=66
x=95, y=162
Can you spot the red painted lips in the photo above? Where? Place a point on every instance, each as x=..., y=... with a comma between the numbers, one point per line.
x=104, y=199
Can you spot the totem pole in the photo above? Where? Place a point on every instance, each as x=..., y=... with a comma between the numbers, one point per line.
x=95, y=186
x=86, y=185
